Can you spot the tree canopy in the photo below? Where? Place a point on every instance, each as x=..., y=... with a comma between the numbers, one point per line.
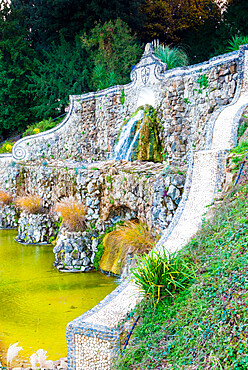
x=46, y=20
x=50, y=49
x=168, y=20
x=16, y=64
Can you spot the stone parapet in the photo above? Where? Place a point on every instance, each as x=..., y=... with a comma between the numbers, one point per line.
x=93, y=339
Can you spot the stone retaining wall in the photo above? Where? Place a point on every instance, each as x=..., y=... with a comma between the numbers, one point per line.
x=112, y=191
x=8, y=217
x=37, y=228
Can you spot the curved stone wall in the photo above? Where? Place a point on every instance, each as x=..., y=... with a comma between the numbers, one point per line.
x=184, y=97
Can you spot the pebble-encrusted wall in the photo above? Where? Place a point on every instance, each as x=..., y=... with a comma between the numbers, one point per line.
x=37, y=228
x=75, y=251
x=8, y=217
x=188, y=104
x=184, y=98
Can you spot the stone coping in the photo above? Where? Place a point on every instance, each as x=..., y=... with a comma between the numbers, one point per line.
x=214, y=116
x=9, y=228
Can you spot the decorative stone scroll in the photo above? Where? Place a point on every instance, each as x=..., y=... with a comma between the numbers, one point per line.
x=149, y=70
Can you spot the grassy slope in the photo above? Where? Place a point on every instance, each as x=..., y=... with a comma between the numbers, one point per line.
x=205, y=327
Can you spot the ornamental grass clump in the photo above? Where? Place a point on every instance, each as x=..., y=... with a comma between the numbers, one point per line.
x=5, y=198
x=125, y=241
x=30, y=204
x=135, y=236
x=161, y=275
x=73, y=213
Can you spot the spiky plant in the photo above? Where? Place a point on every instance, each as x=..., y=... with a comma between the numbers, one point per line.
x=161, y=275
x=237, y=41
x=29, y=203
x=5, y=198
x=136, y=236
x=173, y=57
x=73, y=213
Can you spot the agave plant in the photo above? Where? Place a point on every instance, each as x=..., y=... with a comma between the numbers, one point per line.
x=236, y=41
x=173, y=57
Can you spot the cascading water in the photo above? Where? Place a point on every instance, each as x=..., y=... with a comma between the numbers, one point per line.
x=128, y=137
x=133, y=144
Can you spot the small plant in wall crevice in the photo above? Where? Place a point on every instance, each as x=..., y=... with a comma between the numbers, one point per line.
x=5, y=198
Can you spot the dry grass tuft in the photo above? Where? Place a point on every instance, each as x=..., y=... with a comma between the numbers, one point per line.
x=73, y=213
x=29, y=203
x=136, y=237
x=132, y=238
x=5, y=198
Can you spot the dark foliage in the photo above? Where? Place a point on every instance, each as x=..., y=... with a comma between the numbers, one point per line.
x=61, y=72
x=16, y=64
x=46, y=19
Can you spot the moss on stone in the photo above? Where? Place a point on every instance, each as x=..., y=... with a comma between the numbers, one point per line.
x=150, y=146
x=113, y=258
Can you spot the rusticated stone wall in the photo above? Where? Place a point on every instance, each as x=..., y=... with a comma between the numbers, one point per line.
x=111, y=190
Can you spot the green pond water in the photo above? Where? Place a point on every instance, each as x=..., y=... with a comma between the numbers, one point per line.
x=37, y=301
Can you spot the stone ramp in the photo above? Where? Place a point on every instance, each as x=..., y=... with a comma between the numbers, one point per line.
x=93, y=338
x=225, y=128
x=204, y=182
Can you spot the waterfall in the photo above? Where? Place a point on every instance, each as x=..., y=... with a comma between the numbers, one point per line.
x=132, y=145
x=128, y=137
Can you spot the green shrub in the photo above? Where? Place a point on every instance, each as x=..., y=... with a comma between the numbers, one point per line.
x=173, y=57
x=44, y=125
x=6, y=147
x=161, y=275
x=112, y=51
x=242, y=128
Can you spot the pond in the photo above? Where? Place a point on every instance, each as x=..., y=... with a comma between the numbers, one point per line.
x=37, y=301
